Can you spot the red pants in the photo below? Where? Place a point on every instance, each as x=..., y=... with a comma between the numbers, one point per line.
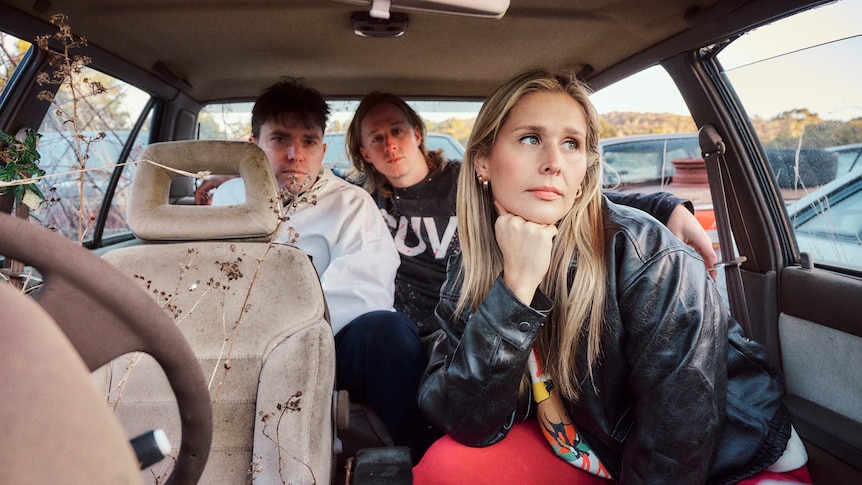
x=524, y=456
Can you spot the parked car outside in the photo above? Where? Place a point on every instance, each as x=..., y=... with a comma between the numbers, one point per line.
x=849, y=157
x=828, y=221
x=645, y=163
x=639, y=159
x=824, y=209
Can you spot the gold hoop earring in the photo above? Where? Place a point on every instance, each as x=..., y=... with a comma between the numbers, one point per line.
x=482, y=181
x=579, y=193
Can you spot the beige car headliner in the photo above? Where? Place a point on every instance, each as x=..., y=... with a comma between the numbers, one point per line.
x=221, y=49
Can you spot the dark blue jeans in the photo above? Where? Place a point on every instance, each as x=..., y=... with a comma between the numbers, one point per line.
x=380, y=361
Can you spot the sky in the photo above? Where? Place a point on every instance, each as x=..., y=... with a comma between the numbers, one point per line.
x=650, y=91
x=841, y=20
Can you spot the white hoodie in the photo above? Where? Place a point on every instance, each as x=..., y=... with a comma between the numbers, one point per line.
x=347, y=239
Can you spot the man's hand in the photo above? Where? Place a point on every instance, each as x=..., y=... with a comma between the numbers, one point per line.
x=202, y=193
x=685, y=226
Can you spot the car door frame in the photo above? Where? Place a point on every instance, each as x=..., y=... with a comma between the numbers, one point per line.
x=780, y=283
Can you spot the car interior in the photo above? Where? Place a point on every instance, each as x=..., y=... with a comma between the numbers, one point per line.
x=125, y=308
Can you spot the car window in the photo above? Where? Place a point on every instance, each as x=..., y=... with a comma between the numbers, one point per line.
x=80, y=157
x=642, y=137
x=225, y=121
x=799, y=82
x=686, y=147
x=115, y=225
x=849, y=157
x=837, y=218
x=336, y=151
x=12, y=51
x=452, y=150
x=640, y=159
x=631, y=162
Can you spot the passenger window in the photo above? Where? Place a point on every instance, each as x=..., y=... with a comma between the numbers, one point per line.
x=79, y=157
x=799, y=84
x=115, y=225
x=225, y=121
x=448, y=125
x=12, y=51
x=641, y=138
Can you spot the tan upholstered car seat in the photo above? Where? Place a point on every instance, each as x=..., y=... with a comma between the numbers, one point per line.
x=253, y=312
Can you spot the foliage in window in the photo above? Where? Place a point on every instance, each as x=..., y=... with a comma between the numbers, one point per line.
x=12, y=51
x=19, y=163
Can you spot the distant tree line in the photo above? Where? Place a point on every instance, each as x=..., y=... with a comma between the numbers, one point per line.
x=792, y=129
x=625, y=123
x=801, y=128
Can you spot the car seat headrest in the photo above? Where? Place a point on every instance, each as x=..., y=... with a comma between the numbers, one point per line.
x=152, y=217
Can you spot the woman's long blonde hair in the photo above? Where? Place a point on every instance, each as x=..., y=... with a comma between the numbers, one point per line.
x=577, y=303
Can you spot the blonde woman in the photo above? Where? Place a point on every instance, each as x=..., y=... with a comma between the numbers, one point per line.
x=637, y=373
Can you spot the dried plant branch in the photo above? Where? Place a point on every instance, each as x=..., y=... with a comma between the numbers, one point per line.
x=239, y=320
x=121, y=385
x=291, y=405
x=25, y=181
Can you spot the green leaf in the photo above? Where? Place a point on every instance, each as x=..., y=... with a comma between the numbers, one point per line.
x=35, y=190
x=7, y=139
x=20, y=163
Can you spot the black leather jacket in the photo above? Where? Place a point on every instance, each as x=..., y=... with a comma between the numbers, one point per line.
x=679, y=396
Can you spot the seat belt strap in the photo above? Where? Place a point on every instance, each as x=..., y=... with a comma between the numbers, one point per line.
x=713, y=149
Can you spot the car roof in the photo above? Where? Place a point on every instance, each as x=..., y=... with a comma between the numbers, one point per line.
x=834, y=190
x=852, y=147
x=220, y=50
x=651, y=136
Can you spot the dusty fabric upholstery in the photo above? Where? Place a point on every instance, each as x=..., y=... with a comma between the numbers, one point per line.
x=151, y=216
x=253, y=312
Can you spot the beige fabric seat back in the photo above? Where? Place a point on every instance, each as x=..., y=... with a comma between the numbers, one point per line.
x=253, y=312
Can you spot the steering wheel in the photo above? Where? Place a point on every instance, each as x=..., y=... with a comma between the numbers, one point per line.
x=105, y=314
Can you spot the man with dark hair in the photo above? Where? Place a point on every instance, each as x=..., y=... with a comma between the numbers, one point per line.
x=338, y=224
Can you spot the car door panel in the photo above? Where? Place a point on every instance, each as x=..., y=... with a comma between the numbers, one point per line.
x=821, y=356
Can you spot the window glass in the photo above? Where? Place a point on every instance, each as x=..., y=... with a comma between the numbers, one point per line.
x=633, y=161
x=644, y=137
x=12, y=51
x=685, y=147
x=799, y=82
x=849, y=157
x=225, y=121
x=82, y=141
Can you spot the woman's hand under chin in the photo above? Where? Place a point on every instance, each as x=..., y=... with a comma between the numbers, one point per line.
x=526, y=248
